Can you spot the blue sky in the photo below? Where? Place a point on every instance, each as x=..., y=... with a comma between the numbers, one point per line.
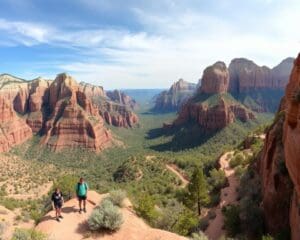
x=142, y=43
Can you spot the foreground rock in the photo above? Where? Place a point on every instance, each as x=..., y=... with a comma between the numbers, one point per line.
x=74, y=225
x=281, y=188
x=175, y=97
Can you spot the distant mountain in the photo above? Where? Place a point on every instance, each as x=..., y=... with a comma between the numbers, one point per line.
x=172, y=99
x=259, y=88
x=212, y=107
x=234, y=93
x=144, y=97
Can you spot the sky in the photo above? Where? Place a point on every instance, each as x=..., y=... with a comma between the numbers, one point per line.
x=142, y=43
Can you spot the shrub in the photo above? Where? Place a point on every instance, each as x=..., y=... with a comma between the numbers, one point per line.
x=187, y=220
x=217, y=178
x=28, y=234
x=203, y=224
x=236, y=160
x=117, y=197
x=231, y=219
x=267, y=237
x=145, y=208
x=199, y=236
x=106, y=216
x=67, y=185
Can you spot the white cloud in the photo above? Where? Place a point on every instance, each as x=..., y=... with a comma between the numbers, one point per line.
x=171, y=45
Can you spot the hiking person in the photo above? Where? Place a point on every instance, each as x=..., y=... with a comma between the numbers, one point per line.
x=81, y=193
x=57, y=203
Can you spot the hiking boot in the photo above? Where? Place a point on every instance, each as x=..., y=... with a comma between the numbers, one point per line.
x=84, y=210
x=80, y=211
x=61, y=217
x=57, y=219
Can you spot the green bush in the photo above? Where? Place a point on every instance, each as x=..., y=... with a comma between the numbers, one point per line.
x=28, y=234
x=67, y=185
x=145, y=208
x=217, y=178
x=237, y=160
x=267, y=237
x=231, y=219
x=187, y=220
x=117, y=197
x=203, y=224
x=199, y=236
x=106, y=216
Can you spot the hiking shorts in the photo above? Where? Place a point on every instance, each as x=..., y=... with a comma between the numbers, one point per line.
x=81, y=198
x=58, y=205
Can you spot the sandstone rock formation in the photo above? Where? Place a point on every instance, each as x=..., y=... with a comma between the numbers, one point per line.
x=215, y=117
x=215, y=79
x=123, y=99
x=212, y=108
x=115, y=107
x=281, y=189
x=74, y=121
x=175, y=97
x=259, y=88
x=13, y=129
x=245, y=75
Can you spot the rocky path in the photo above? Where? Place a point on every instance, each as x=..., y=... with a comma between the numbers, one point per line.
x=174, y=169
x=228, y=196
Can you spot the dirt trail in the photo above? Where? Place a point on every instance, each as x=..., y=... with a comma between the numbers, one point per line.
x=74, y=225
x=228, y=196
x=173, y=168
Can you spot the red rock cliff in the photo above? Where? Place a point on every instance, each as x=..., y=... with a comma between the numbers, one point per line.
x=115, y=107
x=13, y=129
x=215, y=79
x=212, y=108
x=281, y=190
x=74, y=121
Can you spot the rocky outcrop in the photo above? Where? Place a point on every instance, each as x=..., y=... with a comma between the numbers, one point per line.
x=281, y=186
x=118, y=115
x=115, y=107
x=13, y=129
x=212, y=118
x=259, y=88
x=246, y=76
x=123, y=99
x=213, y=108
x=74, y=121
x=215, y=79
x=175, y=97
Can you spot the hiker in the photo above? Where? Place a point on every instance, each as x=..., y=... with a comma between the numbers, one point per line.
x=57, y=203
x=81, y=193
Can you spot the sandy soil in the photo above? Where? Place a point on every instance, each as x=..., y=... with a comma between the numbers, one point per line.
x=74, y=225
x=228, y=196
x=174, y=169
x=8, y=218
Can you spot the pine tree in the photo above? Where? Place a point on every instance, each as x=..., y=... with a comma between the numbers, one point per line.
x=198, y=192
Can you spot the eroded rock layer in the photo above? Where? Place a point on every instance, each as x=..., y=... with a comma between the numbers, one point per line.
x=175, y=97
x=74, y=121
x=281, y=188
x=213, y=108
x=13, y=129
